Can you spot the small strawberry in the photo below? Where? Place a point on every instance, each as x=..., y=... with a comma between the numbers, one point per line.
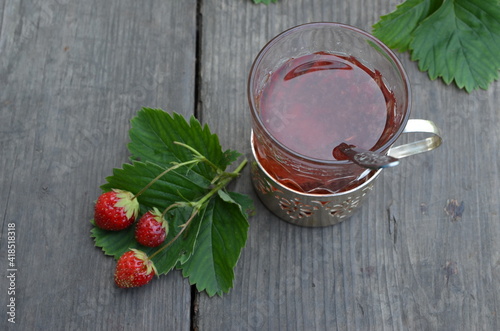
x=115, y=210
x=151, y=229
x=134, y=269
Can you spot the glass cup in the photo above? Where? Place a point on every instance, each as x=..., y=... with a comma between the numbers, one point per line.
x=295, y=126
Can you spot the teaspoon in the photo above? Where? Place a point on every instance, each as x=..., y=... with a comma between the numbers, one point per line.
x=364, y=158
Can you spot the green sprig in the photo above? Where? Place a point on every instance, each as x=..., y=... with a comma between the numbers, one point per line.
x=457, y=40
x=180, y=167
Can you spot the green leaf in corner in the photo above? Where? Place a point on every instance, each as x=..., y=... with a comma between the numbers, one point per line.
x=457, y=40
x=465, y=43
x=396, y=28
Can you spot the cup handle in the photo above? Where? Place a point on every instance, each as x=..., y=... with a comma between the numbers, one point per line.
x=419, y=146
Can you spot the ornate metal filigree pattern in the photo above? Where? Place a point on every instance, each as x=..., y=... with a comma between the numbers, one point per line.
x=260, y=183
x=347, y=206
x=295, y=208
x=303, y=209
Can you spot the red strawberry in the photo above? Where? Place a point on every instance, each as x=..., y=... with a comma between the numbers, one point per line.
x=115, y=210
x=152, y=229
x=134, y=269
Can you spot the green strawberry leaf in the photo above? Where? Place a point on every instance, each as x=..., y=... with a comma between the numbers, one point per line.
x=231, y=156
x=182, y=248
x=465, y=44
x=244, y=201
x=396, y=28
x=457, y=40
x=219, y=226
x=180, y=184
x=116, y=243
x=223, y=234
x=173, y=187
x=154, y=133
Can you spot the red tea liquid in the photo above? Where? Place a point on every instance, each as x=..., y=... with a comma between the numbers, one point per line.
x=315, y=102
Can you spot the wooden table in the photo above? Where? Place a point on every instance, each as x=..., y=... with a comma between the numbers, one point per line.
x=422, y=254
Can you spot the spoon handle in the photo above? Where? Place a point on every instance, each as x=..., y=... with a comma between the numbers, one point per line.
x=364, y=158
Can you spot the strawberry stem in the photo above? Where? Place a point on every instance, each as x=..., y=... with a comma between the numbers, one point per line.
x=184, y=226
x=198, y=155
x=178, y=165
x=224, y=180
x=174, y=205
x=198, y=158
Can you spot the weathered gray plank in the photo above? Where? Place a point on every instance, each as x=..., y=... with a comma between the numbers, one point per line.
x=405, y=261
x=73, y=73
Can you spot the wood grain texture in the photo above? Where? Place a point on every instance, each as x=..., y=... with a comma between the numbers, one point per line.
x=422, y=254
x=73, y=74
